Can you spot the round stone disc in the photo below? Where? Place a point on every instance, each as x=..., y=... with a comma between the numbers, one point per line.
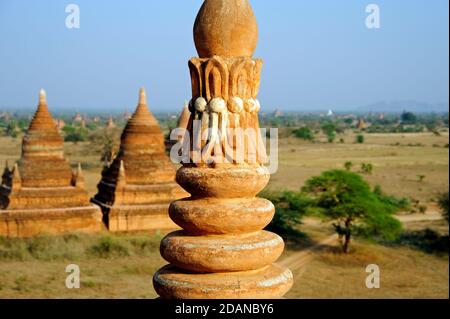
x=222, y=253
x=270, y=282
x=222, y=216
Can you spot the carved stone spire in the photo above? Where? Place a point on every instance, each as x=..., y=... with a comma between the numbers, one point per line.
x=223, y=251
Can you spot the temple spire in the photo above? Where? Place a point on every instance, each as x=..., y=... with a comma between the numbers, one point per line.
x=42, y=97
x=142, y=97
x=42, y=119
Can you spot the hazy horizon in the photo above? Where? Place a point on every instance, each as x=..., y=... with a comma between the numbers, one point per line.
x=318, y=55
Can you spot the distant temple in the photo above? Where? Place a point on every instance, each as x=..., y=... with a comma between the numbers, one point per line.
x=278, y=113
x=41, y=194
x=136, y=189
x=111, y=123
x=362, y=125
x=77, y=118
x=60, y=124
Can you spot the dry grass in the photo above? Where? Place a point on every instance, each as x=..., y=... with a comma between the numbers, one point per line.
x=396, y=168
x=111, y=266
x=405, y=273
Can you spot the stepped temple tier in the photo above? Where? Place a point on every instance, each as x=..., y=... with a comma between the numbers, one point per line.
x=41, y=194
x=223, y=251
x=138, y=186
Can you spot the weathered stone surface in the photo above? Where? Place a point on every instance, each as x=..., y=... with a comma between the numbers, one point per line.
x=223, y=251
x=270, y=282
x=221, y=216
x=41, y=194
x=138, y=186
x=225, y=28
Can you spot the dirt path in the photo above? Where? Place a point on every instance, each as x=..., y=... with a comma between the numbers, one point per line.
x=301, y=258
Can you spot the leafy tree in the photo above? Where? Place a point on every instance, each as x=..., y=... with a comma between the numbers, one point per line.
x=443, y=204
x=367, y=168
x=348, y=166
x=12, y=129
x=396, y=203
x=290, y=208
x=409, y=118
x=346, y=199
x=329, y=129
x=304, y=133
x=360, y=139
x=75, y=134
x=349, y=121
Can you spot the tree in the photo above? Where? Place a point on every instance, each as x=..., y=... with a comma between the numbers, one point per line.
x=12, y=129
x=360, y=139
x=106, y=142
x=329, y=130
x=443, y=204
x=75, y=134
x=348, y=166
x=290, y=208
x=409, y=118
x=304, y=133
x=345, y=198
x=367, y=168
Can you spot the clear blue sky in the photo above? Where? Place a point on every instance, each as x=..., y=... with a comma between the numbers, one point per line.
x=318, y=53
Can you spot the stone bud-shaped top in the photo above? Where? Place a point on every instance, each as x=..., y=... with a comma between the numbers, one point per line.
x=225, y=28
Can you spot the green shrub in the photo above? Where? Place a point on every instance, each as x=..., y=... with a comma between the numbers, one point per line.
x=304, y=133
x=360, y=139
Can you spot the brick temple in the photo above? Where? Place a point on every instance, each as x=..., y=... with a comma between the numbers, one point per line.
x=137, y=187
x=41, y=194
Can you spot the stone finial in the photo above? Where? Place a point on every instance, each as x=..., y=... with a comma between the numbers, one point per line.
x=225, y=28
x=42, y=97
x=142, y=97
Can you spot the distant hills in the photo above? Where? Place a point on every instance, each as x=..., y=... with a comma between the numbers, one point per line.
x=400, y=106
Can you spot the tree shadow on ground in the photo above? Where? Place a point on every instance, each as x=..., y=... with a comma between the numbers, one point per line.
x=427, y=240
x=294, y=239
